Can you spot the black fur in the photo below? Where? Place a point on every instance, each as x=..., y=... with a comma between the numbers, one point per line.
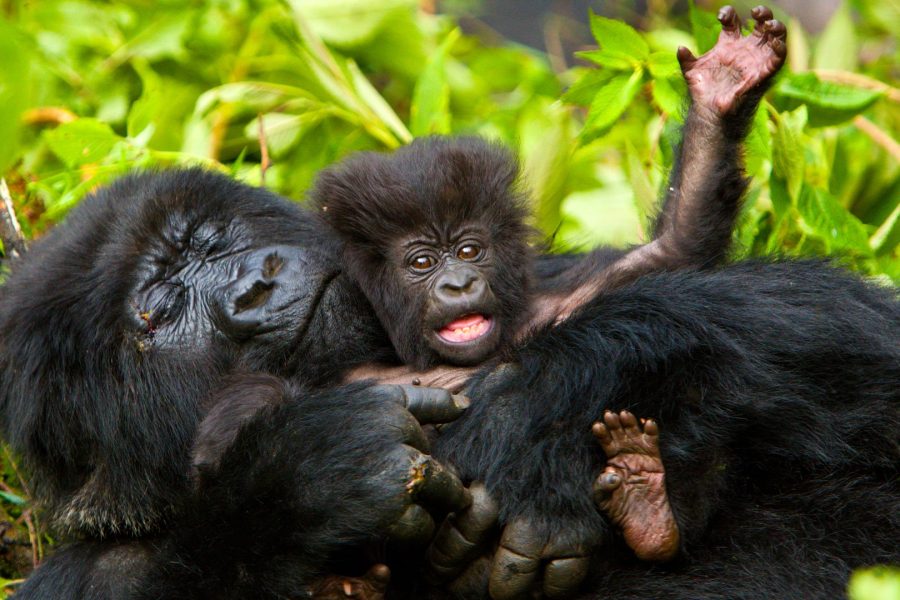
x=775, y=387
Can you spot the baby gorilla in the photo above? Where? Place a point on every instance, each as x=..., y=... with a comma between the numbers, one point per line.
x=436, y=237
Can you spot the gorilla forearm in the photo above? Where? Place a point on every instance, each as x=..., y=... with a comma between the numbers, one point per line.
x=707, y=182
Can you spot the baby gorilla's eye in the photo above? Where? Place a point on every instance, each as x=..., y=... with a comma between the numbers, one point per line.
x=469, y=252
x=422, y=262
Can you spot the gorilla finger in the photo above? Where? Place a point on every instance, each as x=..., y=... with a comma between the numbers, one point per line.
x=685, y=58
x=378, y=578
x=415, y=526
x=600, y=431
x=614, y=425
x=775, y=31
x=512, y=574
x=517, y=561
x=461, y=536
x=629, y=422
x=410, y=432
x=437, y=487
x=563, y=576
x=731, y=22
x=607, y=482
x=780, y=48
x=760, y=14
x=429, y=405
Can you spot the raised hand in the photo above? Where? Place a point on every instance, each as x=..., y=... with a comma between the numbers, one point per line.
x=737, y=64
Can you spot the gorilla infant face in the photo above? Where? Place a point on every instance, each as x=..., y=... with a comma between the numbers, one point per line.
x=453, y=274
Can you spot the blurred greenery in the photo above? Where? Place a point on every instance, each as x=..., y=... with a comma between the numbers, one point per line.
x=92, y=89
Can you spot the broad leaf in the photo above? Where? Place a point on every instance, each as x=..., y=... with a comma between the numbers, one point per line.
x=825, y=218
x=828, y=103
x=705, y=27
x=344, y=23
x=610, y=102
x=430, y=110
x=81, y=142
x=787, y=150
x=837, y=47
x=619, y=39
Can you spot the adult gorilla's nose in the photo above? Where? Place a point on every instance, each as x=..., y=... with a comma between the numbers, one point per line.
x=273, y=290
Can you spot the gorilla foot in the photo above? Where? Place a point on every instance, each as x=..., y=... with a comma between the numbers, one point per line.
x=736, y=64
x=371, y=586
x=632, y=488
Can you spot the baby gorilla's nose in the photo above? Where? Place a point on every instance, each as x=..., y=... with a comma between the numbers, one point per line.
x=460, y=283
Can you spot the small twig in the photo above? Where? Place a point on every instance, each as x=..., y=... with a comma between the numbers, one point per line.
x=878, y=136
x=30, y=520
x=10, y=231
x=32, y=537
x=264, y=162
x=15, y=468
x=553, y=43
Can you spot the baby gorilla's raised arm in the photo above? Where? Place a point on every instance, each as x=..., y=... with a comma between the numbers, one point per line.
x=705, y=188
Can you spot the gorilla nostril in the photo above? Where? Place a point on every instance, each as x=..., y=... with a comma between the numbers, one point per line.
x=255, y=297
x=272, y=266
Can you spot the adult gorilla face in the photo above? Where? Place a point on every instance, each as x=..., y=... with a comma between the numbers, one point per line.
x=134, y=309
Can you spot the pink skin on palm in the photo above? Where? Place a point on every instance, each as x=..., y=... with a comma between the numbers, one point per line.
x=737, y=63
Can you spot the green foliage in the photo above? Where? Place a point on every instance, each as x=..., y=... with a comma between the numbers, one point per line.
x=92, y=90
x=878, y=583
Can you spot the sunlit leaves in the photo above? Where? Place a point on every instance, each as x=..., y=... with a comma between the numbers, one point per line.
x=81, y=142
x=828, y=103
x=430, y=110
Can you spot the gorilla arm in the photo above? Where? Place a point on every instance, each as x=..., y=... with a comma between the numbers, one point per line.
x=284, y=479
x=707, y=182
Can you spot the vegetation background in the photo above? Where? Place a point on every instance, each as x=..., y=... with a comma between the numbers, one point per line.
x=274, y=90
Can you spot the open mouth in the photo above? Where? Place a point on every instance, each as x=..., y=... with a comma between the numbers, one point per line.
x=465, y=329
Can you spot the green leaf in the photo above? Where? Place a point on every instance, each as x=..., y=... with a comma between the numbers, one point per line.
x=837, y=47
x=758, y=146
x=545, y=148
x=787, y=150
x=582, y=92
x=430, y=109
x=609, y=60
x=610, y=102
x=283, y=131
x=876, y=583
x=345, y=23
x=15, y=90
x=13, y=498
x=825, y=218
x=645, y=199
x=379, y=106
x=828, y=103
x=797, y=47
x=705, y=27
x=618, y=39
x=669, y=89
x=886, y=239
x=81, y=142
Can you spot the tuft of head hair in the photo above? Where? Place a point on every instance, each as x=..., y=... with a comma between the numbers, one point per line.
x=434, y=182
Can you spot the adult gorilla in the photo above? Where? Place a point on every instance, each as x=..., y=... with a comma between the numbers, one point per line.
x=776, y=388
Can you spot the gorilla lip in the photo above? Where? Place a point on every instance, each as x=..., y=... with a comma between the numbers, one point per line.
x=466, y=329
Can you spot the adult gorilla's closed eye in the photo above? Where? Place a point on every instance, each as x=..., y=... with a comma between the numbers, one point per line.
x=118, y=327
